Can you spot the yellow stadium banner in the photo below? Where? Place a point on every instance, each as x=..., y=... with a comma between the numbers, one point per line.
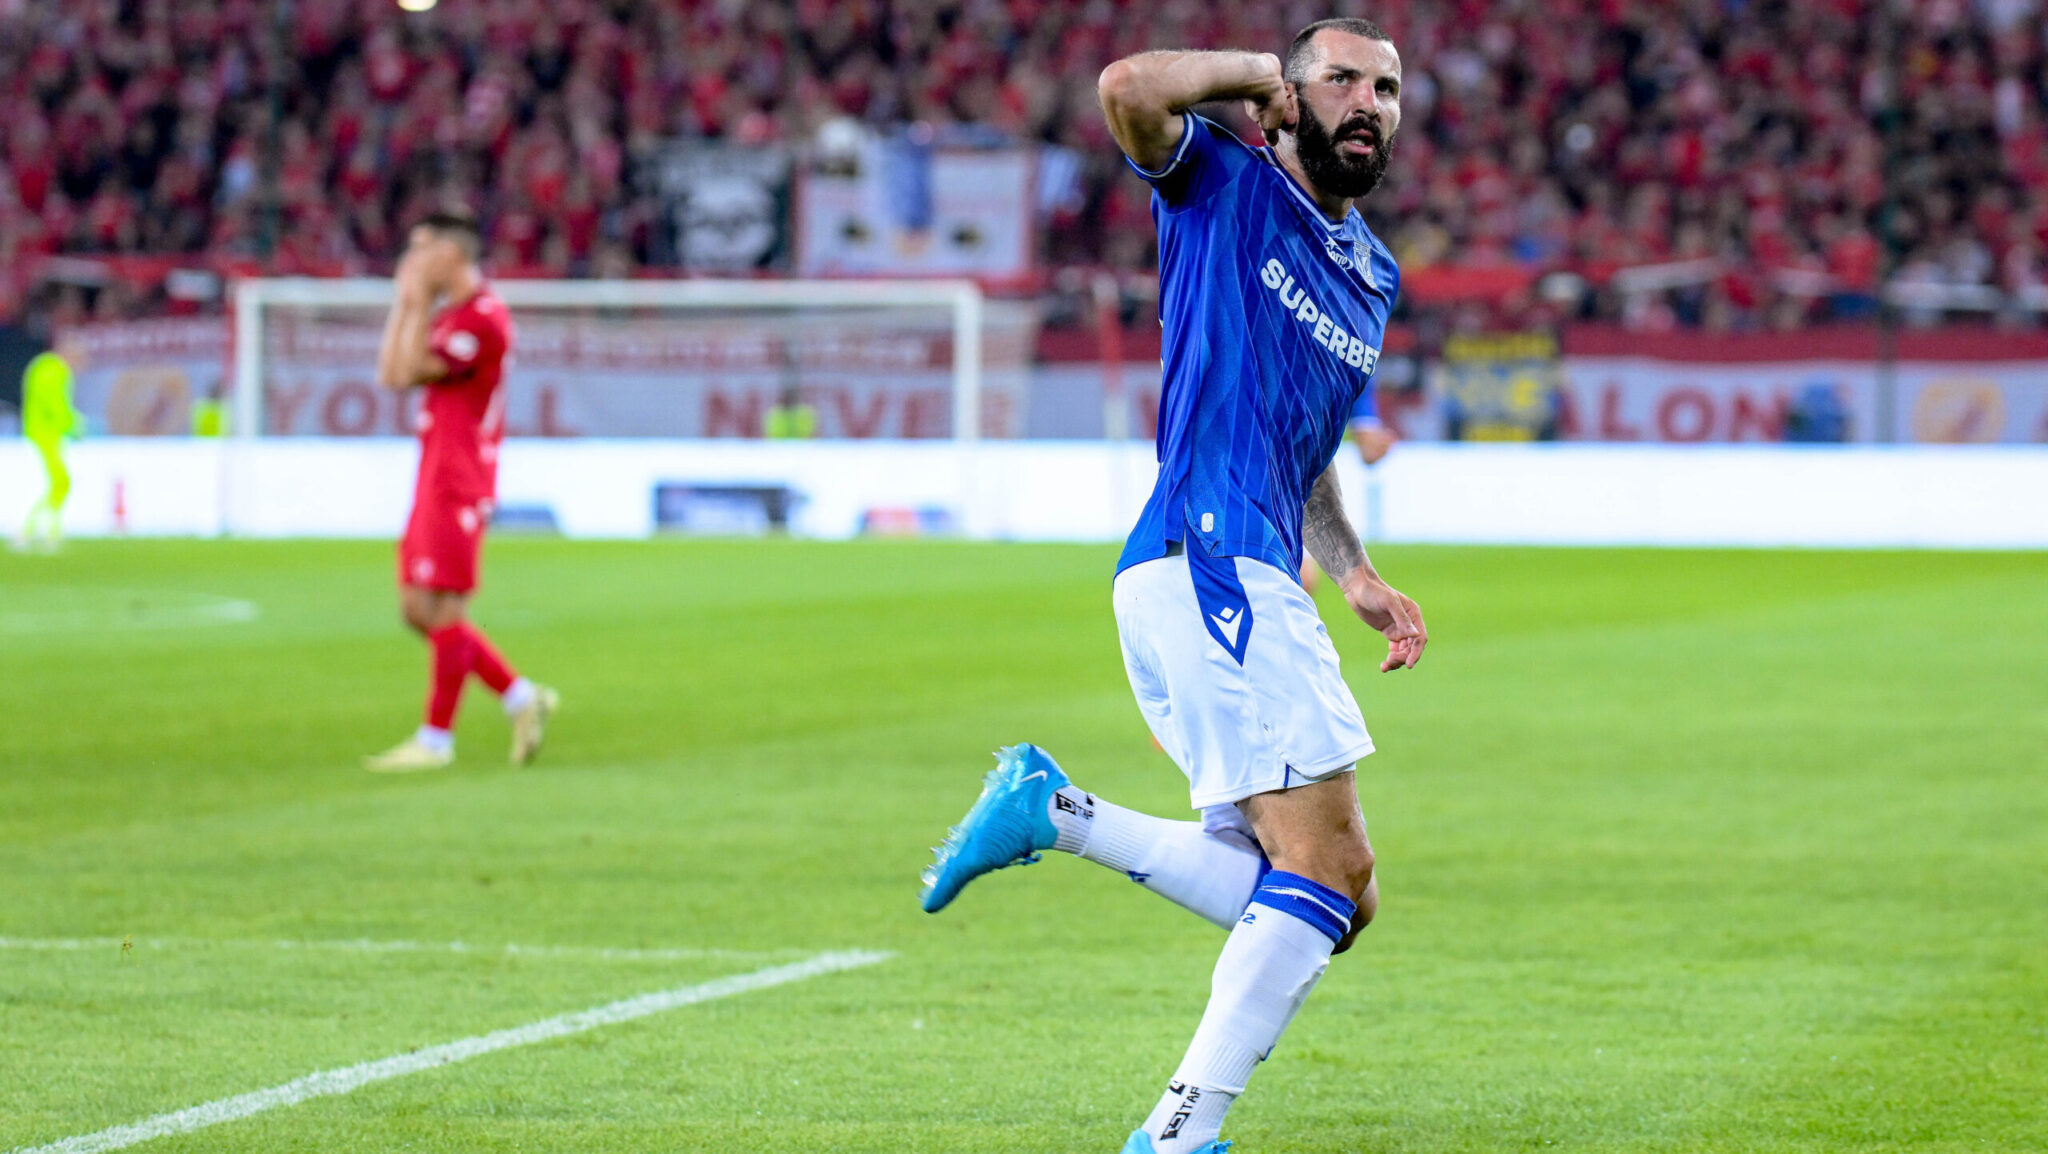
x=1501, y=387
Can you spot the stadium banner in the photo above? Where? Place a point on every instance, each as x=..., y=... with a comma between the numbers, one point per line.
x=1641, y=399
x=860, y=377
x=690, y=378
x=1476, y=493
x=145, y=378
x=903, y=211
x=1500, y=388
x=728, y=206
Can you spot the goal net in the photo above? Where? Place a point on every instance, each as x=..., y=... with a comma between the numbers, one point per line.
x=691, y=358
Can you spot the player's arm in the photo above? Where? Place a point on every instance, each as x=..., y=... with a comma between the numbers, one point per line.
x=1372, y=438
x=404, y=359
x=1143, y=97
x=1336, y=547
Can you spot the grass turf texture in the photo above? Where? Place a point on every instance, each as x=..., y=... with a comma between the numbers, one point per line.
x=1682, y=851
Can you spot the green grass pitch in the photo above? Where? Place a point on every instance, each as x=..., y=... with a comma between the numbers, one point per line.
x=1682, y=851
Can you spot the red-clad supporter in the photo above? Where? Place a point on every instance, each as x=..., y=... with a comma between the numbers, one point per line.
x=386, y=65
x=1853, y=255
x=1762, y=125
x=518, y=233
x=30, y=166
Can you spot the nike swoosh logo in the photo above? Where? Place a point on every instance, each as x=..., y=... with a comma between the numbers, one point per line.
x=1037, y=776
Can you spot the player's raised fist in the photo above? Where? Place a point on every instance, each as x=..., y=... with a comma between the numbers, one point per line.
x=1271, y=104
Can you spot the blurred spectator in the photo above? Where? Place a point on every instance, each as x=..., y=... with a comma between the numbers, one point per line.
x=1756, y=139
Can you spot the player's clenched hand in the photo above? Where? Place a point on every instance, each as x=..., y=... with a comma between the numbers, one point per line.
x=1394, y=614
x=1271, y=104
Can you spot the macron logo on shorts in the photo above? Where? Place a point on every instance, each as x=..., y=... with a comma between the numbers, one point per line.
x=1228, y=620
x=1226, y=610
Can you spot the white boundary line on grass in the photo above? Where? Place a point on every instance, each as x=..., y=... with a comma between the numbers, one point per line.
x=330, y=1082
x=197, y=610
x=374, y=946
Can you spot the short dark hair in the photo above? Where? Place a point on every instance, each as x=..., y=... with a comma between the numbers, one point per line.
x=1296, y=68
x=457, y=224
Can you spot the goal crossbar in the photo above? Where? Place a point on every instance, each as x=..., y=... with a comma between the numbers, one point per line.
x=962, y=298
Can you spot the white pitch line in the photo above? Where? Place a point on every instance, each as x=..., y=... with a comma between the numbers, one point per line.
x=330, y=1082
x=374, y=946
x=131, y=609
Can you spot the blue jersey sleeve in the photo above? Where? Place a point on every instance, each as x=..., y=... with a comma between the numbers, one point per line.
x=1366, y=407
x=1205, y=160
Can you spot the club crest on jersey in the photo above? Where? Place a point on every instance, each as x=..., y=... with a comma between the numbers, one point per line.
x=1324, y=329
x=1359, y=259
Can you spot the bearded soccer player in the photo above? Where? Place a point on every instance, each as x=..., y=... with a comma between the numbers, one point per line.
x=458, y=355
x=1275, y=299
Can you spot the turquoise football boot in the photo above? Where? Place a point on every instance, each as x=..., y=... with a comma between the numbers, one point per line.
x=1141, y=1143
x=1007, y=826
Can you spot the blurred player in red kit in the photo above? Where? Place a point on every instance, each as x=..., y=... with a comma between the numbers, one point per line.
x=459, y=355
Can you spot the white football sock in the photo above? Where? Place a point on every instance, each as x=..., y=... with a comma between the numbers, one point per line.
x=1211, y=875
x=1271, y=962
x=1192, y=1116
x=518, y=696
x=438, y=740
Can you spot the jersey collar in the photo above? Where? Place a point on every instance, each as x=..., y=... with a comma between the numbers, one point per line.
x=1315, y=212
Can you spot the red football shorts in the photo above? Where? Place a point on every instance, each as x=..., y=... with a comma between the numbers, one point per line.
x=441, y=543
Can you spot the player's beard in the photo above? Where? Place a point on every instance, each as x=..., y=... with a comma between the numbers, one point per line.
x=1334, y=172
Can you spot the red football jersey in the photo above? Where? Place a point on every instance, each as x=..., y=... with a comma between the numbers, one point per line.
x=463, y=419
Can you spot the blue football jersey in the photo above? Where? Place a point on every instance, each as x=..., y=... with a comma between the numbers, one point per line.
x=1273, y=318
x=1366, y=409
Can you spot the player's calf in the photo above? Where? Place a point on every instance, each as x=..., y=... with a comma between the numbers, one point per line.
x=1368, y=905
x=1272, y=960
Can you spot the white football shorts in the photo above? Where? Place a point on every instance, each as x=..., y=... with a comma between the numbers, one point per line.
x=1236, y=675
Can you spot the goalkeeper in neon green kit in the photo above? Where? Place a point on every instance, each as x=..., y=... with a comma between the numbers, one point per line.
x=47, y=419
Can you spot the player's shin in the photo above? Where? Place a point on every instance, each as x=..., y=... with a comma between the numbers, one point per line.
x=452, y=659
x=1273, y=959
x=488, y=665
x=1212, y=876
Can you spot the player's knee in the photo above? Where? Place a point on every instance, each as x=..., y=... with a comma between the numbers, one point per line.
x=1368, y=905
x=1356, y=865
x=1343, y=866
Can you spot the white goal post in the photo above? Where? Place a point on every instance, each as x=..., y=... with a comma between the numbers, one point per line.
x=961, y=299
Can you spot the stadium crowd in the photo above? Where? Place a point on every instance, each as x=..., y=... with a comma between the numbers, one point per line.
x=1743, y=145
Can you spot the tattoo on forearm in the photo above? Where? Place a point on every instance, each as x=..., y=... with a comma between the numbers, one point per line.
x=1327, y=533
